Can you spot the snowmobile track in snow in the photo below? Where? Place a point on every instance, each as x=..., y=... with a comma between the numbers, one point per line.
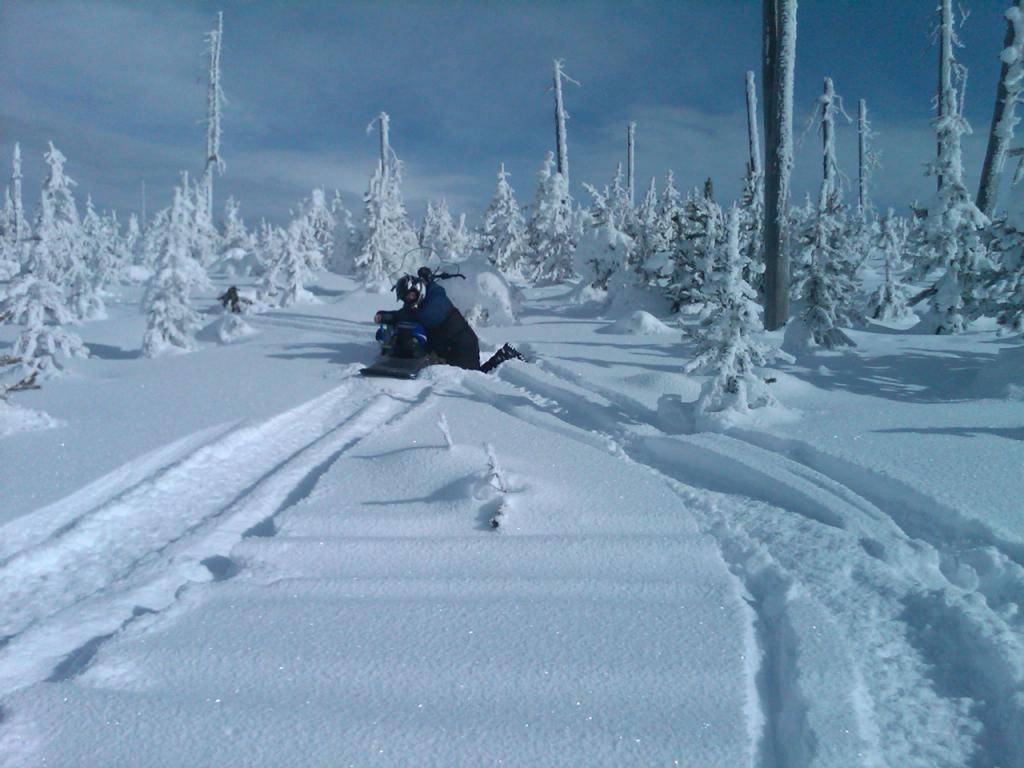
x=134, y=553
x=816, y=554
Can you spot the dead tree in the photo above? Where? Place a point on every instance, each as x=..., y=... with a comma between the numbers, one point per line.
x=945, y=70
x=561, y=145
x=753, y=135
x=214, y=100
x=1003, y=118
x=630, y=161
x=778, y=60
x=19, y=224
x=862, y=159
x=384, y=122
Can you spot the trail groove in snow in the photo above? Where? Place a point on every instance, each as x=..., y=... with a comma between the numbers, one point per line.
x=380, y=616
x=62, y=516
x=917, y=700
x=137, y=553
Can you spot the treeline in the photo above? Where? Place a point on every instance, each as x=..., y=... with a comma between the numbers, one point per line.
x=762, y=258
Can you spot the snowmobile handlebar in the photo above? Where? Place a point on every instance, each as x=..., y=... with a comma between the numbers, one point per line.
x=427, y=274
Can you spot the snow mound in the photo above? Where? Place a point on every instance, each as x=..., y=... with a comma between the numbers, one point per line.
x=764, y=417
x=641, y=323
x=625, y=297
x=485, y=297
x=586, y=294
x=232, y=328
x=14, y=418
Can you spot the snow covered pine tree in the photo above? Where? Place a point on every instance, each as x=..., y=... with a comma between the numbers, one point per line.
x=171, y=319
x=727, y=344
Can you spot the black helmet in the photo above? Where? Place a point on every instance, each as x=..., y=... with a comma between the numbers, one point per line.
x=409, y=284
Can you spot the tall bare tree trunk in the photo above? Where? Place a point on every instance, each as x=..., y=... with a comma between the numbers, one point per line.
x=778, y=58
x=215, y=97
x=862, y=159
x=384, y=122
x=562, y=149
x=945, y=67
x=19, y=210
x=753, y=134
x=630, y=162
x=828, y=136
x=998, y=141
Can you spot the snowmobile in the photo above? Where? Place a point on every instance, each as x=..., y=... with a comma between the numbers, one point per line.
x=403, y=341
x=402, y=350
x=403, y=344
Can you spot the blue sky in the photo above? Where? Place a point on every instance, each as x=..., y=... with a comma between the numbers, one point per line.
x=120, y=88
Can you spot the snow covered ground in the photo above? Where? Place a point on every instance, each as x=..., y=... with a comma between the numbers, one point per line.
x=251, y=555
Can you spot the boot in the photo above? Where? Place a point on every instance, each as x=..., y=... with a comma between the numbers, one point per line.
x=507, y=352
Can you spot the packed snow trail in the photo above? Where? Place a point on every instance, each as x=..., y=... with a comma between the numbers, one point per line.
x=846, y=600
x=132, y=553
x=385, y=623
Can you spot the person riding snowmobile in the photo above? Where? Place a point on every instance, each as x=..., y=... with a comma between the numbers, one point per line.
x=428, y=312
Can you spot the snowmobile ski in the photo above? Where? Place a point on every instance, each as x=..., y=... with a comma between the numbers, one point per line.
x=397, y=367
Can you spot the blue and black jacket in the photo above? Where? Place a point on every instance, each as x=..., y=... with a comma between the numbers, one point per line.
x=448, y=334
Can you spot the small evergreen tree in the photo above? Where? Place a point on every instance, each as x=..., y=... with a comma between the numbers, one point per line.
x=271, y=246
x=265, y=247
x=552, y=233
x=622, y=207
x=204, y=240
x=320, y=225
x=153, y=239
x=387, y=237
x=346, y=238
x=100, y=267
x=438, y=234
x=66, y=243
x=83, y=297
x=950, y=236
x=312, y=238
x=727, y=345
x=35, y=300
x=657, y=264
x=464, y=240
x=238, y=248
x=889, y=302
x=648, y=241
x=696, y=243
x=503, y=238
x=170, y=318
x=828, y=283
x=122, y=246
x=299, y=254
x=606, y=248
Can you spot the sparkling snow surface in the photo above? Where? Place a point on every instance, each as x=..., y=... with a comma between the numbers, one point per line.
x=249, y=555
